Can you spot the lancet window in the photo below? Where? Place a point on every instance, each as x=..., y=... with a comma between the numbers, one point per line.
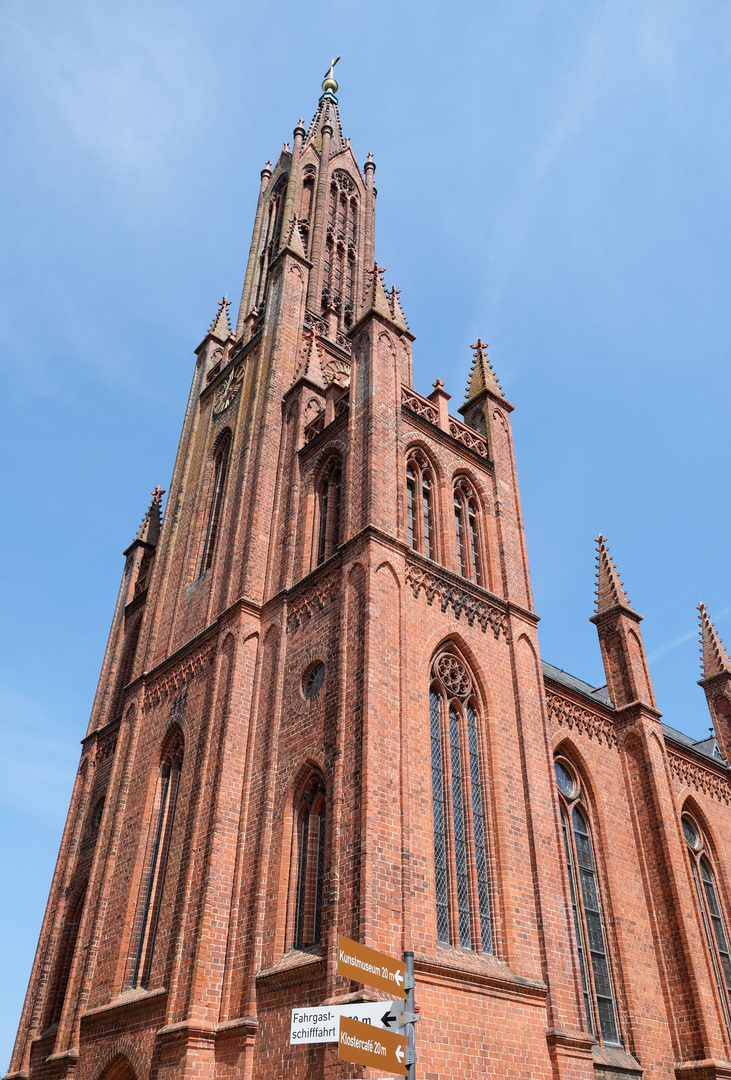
x=420, y=504
x=309, y=853
x=466, y=520
x=156, y=860
x=714, y=924
x=340, y=267
x=272, y=235
x=306, y=204
x=586, y=904
x=220, y=472
x=328, y=510
x=460, y=836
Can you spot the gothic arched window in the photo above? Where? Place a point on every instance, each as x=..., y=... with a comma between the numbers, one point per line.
x=466, y=519
x=420, y=504
x=460, y=840
x=273, y=232
x=220, y=472
x=713, y=922
x=156, y=859
x=309, y=851
x=339, y=274
x=328, y=510
x=596, y=976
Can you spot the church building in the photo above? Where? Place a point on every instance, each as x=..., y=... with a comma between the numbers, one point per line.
x=322, y=711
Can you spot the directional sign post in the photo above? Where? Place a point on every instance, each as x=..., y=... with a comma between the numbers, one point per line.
x=369, y=966
x=322, y=1023
x=365, y=1045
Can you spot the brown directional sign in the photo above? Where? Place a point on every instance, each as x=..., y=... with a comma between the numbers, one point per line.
x=367, y=1045
x=371, y=967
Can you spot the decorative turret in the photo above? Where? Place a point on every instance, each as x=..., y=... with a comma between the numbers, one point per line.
x=620, y=638
x=141, y=551
x=716, y=681
x=482, y=377
x=220, y=328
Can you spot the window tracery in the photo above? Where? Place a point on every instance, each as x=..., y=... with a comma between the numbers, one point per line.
x=420, y=504
x=309, y=852
x=340, y=267
x=586, y=904
x=466, y=520
x=461, y=874
x=714, y=925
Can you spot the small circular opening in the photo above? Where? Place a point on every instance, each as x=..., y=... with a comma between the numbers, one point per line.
x=691, y=833
x=564, y=779
x=312, y=680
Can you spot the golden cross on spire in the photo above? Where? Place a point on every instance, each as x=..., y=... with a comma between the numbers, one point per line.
x=329, y=73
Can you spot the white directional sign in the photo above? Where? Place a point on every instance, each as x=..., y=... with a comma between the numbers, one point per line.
x=322, y=1023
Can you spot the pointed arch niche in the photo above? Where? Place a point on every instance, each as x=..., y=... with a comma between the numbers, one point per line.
x=326, y=533
x=156, y=858
x=307, y=863
x=459, y=798
x=469, y=532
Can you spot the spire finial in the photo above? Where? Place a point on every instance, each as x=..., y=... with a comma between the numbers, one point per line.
x=609, y=589
x=149, y=530
x=482, y=376
x=221, y=327
x=329, y=84
x=714, y=659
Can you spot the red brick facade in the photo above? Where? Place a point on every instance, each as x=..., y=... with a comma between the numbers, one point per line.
x=237, y=807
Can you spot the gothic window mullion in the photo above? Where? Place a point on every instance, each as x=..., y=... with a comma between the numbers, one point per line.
x=467, y=794
x=460, y=831
x=579, y=927
x=479, y=832
x=454, y=921
x=441, y=870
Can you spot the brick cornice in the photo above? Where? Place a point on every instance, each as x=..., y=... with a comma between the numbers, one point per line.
x=566, y=712
x=486, y=971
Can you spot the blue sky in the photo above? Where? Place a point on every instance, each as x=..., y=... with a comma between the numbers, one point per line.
x=552, y=176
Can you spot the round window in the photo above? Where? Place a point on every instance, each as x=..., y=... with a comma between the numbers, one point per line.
x=564, y=779
x=691, y=833
x=312, y=680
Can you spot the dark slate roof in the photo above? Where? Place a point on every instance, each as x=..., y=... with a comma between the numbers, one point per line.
x=707, y=748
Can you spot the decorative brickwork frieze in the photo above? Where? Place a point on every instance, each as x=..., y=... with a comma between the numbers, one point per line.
x=568, y=714
x=306, y=603
x=172, y=682
x=467, y=437
x=693, y=774
x=460, y=600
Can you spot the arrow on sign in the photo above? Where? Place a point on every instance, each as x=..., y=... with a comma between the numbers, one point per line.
x=398, y=977
x=399, y=1055
x=388, y=1018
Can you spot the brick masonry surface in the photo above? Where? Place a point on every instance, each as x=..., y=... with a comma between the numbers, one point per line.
x=175, y=938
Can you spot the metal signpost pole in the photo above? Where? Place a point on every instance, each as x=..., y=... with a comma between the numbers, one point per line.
x=410, y=1017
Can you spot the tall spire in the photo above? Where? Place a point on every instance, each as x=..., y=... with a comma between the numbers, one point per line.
x=327, y=113
x=221, y=327
x=482, y=376
x=609, y=589
x=149, y=530
x=714, y=659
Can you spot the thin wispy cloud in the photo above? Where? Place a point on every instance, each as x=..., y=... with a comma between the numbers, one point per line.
x=681, y=639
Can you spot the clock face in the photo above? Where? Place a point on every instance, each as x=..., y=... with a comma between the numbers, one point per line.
x=228, y=390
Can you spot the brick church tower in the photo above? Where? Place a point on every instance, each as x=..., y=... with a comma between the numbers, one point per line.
x=322, y=711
